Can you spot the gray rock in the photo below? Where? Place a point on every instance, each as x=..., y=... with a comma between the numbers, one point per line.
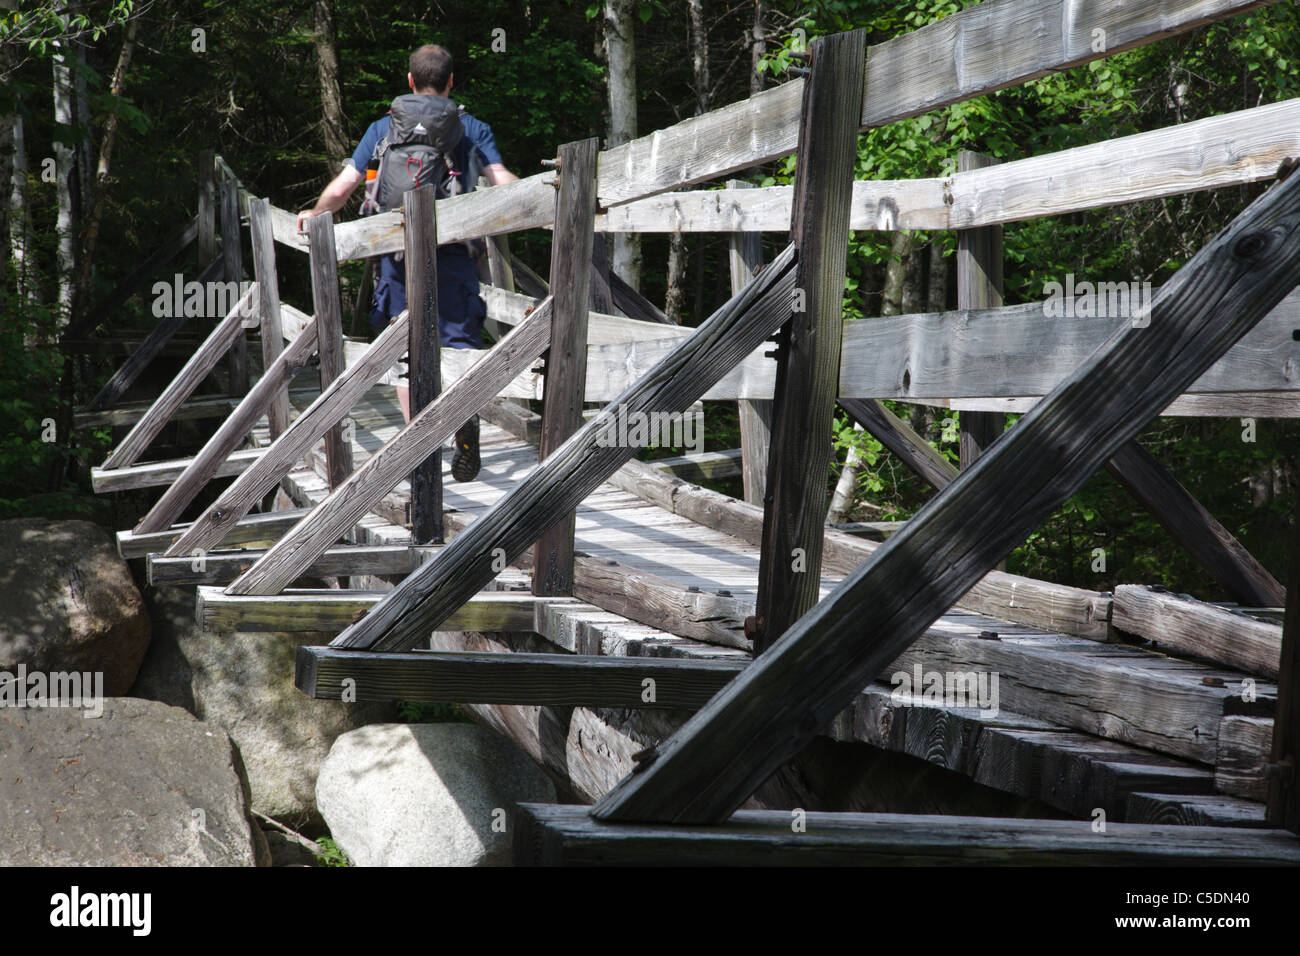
x=143, y=785
x=426, y=794
x=69, y=602
x=243, y=682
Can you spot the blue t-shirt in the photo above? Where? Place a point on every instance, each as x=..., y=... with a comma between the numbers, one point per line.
x=478, y=135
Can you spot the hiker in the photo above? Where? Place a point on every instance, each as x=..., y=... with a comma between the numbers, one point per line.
x=426, y=138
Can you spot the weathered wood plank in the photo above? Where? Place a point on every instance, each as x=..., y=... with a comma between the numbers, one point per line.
x=1198, y=810
x=566, y=360
x=1284, y=759
x=329, y=334
x=207, y=464
x=1188, y=523
x=979, y=286
x=553, y=835
x=150, y=474
x=1203, y=630
x=222, y=567
x=256, y=529
x=203, y=361
x=424, y=353
x=1210, y=405
x=552, y=680
x=633, y=304
x=1240, y=767
x=232, y=260
x=558, y=484
x=899, y=437
x=330, y=407
x=709, y=767
x=126, y=415
x=808, y=362
x=384, y=469
x=259, y=227
x=745, y=258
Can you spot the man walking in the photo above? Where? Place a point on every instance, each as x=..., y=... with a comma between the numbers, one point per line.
x=460, y=309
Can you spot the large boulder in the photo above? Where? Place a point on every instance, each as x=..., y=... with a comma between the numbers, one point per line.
x=144, y=784
x=426, y=794
x=69, y=602
x=243, y=682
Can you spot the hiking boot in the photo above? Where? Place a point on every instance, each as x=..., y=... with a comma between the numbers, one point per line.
x=465, y=462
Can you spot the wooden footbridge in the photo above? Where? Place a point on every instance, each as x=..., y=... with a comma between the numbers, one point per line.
x=689, y=667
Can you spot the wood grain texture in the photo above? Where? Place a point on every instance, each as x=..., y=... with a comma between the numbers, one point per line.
x=557, y=485
x=270, y=388
x=327, y=409
x=232, y=262
x=554, y=835
x=979, y=286
x=745, y=258
x=1239, y=767
x=553, y=680
x=808, y=363
x=424, y=352
x=191, y=375
x=259, y=226
x=383, y=470
x=255, y=530
x=566, y=360
x=329, y=332
x=150, y=474
x=899, y=437
x=222, y=567
x=709, y=767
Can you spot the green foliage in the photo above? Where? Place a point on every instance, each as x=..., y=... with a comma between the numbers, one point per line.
x=412, y=712
x=331, y=854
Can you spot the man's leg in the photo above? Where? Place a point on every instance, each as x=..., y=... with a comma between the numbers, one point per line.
x=388, y=301
x=460, y=323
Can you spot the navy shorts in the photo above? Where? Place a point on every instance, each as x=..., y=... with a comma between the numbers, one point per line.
x=460, y=310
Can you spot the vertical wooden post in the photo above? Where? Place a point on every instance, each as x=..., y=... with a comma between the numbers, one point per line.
x=329, y=334
x=745, y=257
x=808, y=364
x=424, y=363
x=503, y=274
x=602, y=299
x=1284, y=778
x=207, y=210
x=232, y=257
x=259, y=227
x=979, y=286
x=566, y=361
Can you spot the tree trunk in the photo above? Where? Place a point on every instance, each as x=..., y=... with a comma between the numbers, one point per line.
x=842, y=499
x=676, y=278
x=757, y=45
x=895, y=272
x=64, y=166
x=936, y=297
x=107, y=142
x=26, y=274
x=699, y=56
x=334, y=124
x=620, y=59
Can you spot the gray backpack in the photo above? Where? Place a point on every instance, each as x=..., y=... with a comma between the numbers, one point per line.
x=423, y=133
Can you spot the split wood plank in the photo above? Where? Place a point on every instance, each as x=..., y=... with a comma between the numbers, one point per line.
x=203, y=361
x=720, y=756
x=566, y=360
x=207, y=464
x=808, y=362
x=150, y=474
x=384, y=469
x=329, y=408
x=329, y=333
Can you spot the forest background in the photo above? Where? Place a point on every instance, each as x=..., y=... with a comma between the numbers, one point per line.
x=106, y=105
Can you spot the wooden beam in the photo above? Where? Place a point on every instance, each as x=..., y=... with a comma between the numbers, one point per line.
x=1214, y=546
x=425, y=349
x=899, y=437
x=549, y=680
x=207, y=464
x=207, y=205
x=633, y=304
x=329, y=407
x=232, y=260
x=716, y=760
x=222, y=567
x=297, y=609
x=150, y=474
x=1284, y=759
x=600, y=293
x=566, y=362
x=1231, y=638
x=1270, y=404
x=126, y=415
x=558, y=484
x=329, y=334
x=808, y=362
x=203, y=361
x=255, y=529
x=553, y=835
x=329, y=520
x=259, y=226
x=529, y=282
x=1241, y=765
x=979, y=286
x=746, y=258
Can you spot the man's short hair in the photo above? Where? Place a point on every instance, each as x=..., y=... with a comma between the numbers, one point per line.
x=431, y=68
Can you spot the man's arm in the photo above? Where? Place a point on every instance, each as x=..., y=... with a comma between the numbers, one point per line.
x=497, y=174
x=335, y=195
